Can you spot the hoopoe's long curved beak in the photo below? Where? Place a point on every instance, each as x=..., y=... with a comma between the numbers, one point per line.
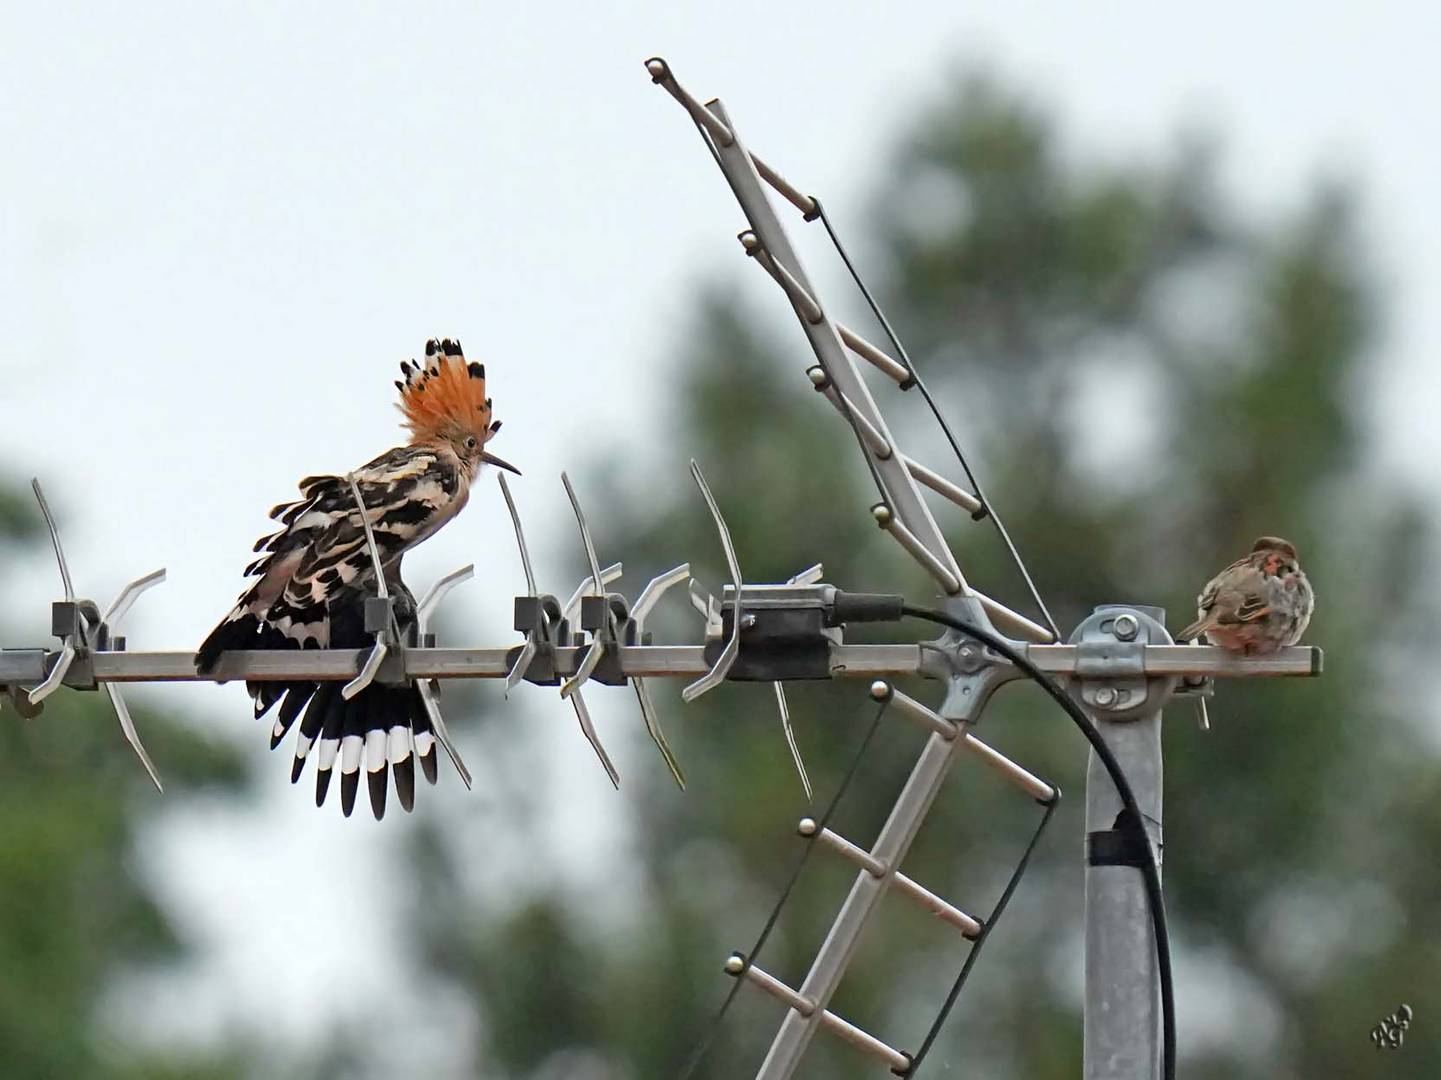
x=490, y=459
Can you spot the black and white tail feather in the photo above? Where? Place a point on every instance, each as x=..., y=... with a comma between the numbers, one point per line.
x=313, y=575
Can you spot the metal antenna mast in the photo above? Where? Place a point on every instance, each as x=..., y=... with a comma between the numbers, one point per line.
x=1113, y=648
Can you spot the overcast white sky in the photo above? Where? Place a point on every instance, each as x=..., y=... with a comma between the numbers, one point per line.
x=223, y=226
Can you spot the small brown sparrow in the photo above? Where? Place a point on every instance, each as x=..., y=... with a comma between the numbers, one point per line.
x=1257, y=604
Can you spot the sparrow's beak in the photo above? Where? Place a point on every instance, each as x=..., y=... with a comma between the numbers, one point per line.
x=491, y=459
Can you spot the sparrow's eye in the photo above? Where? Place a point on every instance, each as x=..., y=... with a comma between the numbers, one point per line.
x=470, y=443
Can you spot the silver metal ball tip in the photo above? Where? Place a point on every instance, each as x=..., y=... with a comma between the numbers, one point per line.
x=817, y=375
x=656, y=66
x=882, y=513
x=735, y=964
x=880, y=689
x=807, y=826
x=749, y=240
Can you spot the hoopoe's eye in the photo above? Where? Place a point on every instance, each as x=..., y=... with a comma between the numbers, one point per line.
x=470, y=442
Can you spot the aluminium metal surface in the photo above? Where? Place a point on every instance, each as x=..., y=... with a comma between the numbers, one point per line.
x=28, y=666
x=1122, y=1022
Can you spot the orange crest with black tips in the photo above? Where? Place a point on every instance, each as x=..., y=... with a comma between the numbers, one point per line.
x=445, y=394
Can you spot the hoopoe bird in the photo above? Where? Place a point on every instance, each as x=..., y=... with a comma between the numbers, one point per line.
x=313, y=576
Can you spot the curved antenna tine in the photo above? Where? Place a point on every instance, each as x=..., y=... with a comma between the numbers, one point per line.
x=127, y=725
x=593, y=654
x=129, y=595
x=522, y=664
x=654, y=590
x=366, y=676
x=653, y=729
x=527, y=654
x=584, y=670
x=645, y=603
x=380, y=589
x=438, y=592
x=53, y=680
x=54, y=537
x=809, y=576
x=582, y=714
x=701, y=600
x=609, y=574
x=519, y=534
x=717, y=674
x=442, y=733
x=585, y=537
x=791, y=738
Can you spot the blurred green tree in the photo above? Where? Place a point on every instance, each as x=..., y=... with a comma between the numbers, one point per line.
x=76, y=916
x=1147, y=380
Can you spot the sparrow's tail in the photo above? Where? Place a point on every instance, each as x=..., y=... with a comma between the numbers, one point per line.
x=1197, y=628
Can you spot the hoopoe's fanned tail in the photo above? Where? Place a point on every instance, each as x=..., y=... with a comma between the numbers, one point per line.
x=380, y=732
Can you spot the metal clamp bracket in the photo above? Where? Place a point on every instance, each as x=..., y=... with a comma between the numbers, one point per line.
x=971, y=670
x=1111, y=661
x=542, y=620
x=608, y=620
x=786, y=632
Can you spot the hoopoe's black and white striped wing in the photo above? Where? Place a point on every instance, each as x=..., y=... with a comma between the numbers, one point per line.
x=409, y=493
x=319, y=554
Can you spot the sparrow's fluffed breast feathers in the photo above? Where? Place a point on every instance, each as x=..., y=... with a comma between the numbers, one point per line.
x=314, y=574
x=1258, y=604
